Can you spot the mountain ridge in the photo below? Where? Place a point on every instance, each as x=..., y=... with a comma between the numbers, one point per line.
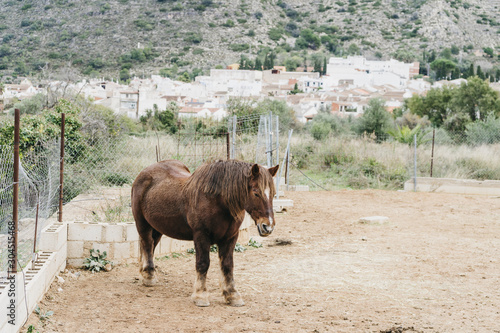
x=144, y=36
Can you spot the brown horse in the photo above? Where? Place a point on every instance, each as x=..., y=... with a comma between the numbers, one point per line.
x=208, y=207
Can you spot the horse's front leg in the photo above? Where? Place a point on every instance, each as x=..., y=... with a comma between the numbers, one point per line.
x=202, y=247
x=226, y=251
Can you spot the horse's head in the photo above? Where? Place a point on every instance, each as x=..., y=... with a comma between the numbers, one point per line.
x=260, y=198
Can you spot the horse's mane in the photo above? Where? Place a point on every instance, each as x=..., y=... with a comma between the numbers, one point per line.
x=227, y=179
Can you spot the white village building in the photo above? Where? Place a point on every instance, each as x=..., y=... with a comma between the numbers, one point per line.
x=357, y=71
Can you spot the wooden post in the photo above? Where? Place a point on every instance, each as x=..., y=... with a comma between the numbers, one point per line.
x=61, y=169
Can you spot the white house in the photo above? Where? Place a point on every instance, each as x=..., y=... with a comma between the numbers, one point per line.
x=356, y=71
x=237, y=83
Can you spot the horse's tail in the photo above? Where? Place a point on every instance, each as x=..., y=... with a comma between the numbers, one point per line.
x=139, y=190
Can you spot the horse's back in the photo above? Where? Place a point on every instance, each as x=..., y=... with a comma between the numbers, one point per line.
x=157, y=196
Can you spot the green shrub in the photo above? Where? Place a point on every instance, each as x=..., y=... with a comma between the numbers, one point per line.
x=483, y=132
x=320, y=131
x=116, y=179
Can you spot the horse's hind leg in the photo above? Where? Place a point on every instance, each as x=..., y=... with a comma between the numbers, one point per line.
x=226, y=250
x=149, y=238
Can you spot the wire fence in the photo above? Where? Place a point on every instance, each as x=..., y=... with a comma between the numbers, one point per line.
x=346, y=161
x=38, y=197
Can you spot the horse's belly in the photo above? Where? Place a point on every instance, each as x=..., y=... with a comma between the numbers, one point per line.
x=172, y=226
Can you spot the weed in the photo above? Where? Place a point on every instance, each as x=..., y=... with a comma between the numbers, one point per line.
x=42, y=315
x=96, y=261
x=176, y=255
x=31, y=329
x=239, y=248
x=253, y=243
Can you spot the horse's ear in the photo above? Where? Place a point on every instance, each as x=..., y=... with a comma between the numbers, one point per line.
x=255, y=171
x=274, y=170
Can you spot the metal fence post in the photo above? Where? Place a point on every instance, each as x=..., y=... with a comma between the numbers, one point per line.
x=15, y=201
x=285, y=163
x=228, y=146
x=432, y=151
x=233, y=145
x=61, y=169
x=415, y=164
x=277, y=140
x=270, y=160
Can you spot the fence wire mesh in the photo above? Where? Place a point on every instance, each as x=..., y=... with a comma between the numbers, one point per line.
x=344, y=161
x=38, y=197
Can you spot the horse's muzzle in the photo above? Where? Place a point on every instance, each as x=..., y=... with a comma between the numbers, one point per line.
x=264, y=229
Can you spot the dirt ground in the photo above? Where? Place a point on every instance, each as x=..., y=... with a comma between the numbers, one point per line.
x=432, y=267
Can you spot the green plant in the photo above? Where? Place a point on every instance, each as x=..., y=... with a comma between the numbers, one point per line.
x=375, y=120
x=31, y=329
x=116, y=179
x=253, y=243
x=406, y=135
x=239, y=248
x=43, y=315
x=96, y=261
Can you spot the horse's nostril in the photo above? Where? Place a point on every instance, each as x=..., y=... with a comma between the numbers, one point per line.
x=267, y=228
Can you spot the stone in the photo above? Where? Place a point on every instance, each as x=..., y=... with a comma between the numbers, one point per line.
x=374, y=219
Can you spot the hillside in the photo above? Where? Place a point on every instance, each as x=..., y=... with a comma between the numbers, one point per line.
x=141, y=37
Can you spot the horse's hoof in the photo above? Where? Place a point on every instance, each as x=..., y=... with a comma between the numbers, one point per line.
x=237, y=302
x=149, y=282
x=201, y=302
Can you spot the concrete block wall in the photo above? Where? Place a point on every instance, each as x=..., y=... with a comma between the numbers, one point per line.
x=121, y=241
x=70, y=243
x=451, y=185
x=35, y=280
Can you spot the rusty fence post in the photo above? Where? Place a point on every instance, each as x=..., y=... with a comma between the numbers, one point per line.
x=61, y=169
x=228, y=146
x=15, y=200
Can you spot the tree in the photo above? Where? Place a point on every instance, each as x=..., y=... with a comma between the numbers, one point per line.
x=446, y=54
x=489, y=51
x=317, y=66
x=310, y=39
x=258, y=64
x=375, y=120
x=165, y=120
x=353, y=49
x=295, y=90
x=469, y=72
x=476, y=98
x=184, y=77
x=435, y=105
x=443, y=68
x=124, y=75
x=479, y=73
x=324, y=66
x=286, y=114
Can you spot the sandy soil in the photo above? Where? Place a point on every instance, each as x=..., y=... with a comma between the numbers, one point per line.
x=433, y=267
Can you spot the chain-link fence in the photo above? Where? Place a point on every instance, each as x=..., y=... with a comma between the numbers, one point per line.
x=338, y=162
x=462, y=155
x=117, y=162
x=38, y=197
